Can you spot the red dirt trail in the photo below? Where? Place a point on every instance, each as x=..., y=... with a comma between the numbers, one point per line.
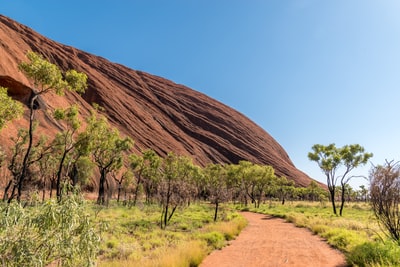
x=269, y=241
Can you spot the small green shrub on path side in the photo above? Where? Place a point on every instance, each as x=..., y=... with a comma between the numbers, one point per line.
x=375, y=254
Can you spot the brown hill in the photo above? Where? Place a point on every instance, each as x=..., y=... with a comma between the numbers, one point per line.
x=155, y=112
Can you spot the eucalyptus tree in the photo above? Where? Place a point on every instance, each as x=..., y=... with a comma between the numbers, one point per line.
x=106, y=147
x=46, y=78
x=173, y=187
x=314, y=192
x=39, y=151
x=244, y=171
x=284, y=188
x=48, y=166
x=215, y=176
x=66, y=141
x=332, y=160
x=15, y=162
x=146, y=170
x=123, y=179
x=196, y=185
x=9, y=108
x=264, y=177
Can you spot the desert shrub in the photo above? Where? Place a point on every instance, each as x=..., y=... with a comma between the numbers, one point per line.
x=214, y=239
x=229, y=229
x=319, y=228
x=375, y=254
x=53, y=233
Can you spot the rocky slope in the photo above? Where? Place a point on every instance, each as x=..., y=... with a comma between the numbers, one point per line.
x=154, y=111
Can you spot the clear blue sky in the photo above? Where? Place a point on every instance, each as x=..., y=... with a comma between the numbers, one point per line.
x=307, y=71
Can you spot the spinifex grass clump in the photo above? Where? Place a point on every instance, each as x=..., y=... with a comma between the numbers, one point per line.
x=58, y=233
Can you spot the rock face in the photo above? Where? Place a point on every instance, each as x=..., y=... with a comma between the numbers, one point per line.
x=153, y=111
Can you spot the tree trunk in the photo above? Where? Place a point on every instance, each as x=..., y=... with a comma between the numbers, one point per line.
x=167, y=205
x=101, y=197
x=216, y=210
x=28, y=149
x=119, y=190
x=332, y=193
x=343, y=200
x=137, y=190
x=59, y=173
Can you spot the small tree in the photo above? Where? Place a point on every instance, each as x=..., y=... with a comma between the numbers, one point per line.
x=123, y=179
x=264, y=178
x=173, y=185
x=314, y=192
x=245, y=172
x=385, y=197
x=106, y=146
x=215, y=178
x=283, y=188
x=65, y=142
x=39, y=151
x=330, y=159
x=46, y=78
x=146, y=169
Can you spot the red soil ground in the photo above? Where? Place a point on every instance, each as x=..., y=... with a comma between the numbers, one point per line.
x=269, y=241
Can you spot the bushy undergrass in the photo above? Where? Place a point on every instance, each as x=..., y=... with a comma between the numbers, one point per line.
x=132, y=236
x=356, y=233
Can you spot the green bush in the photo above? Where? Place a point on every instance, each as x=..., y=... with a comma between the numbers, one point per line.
x=214, y=239
x=52, y=233
x=375, y=254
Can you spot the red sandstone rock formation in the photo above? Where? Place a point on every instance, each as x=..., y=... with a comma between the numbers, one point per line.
x=153, y=111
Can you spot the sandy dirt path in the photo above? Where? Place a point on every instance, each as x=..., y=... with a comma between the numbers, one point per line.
x=269, y=241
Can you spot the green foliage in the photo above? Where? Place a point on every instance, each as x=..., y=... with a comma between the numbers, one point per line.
x=330, y=159
x=175, y=185
x=47, y=76
x=70, y=116
x=76, y=81
x=146, y=169
x=9, y=108
x=214, y=239
x=375, y=254
x=85, y=169
x=106, y=147
x=50, y=233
